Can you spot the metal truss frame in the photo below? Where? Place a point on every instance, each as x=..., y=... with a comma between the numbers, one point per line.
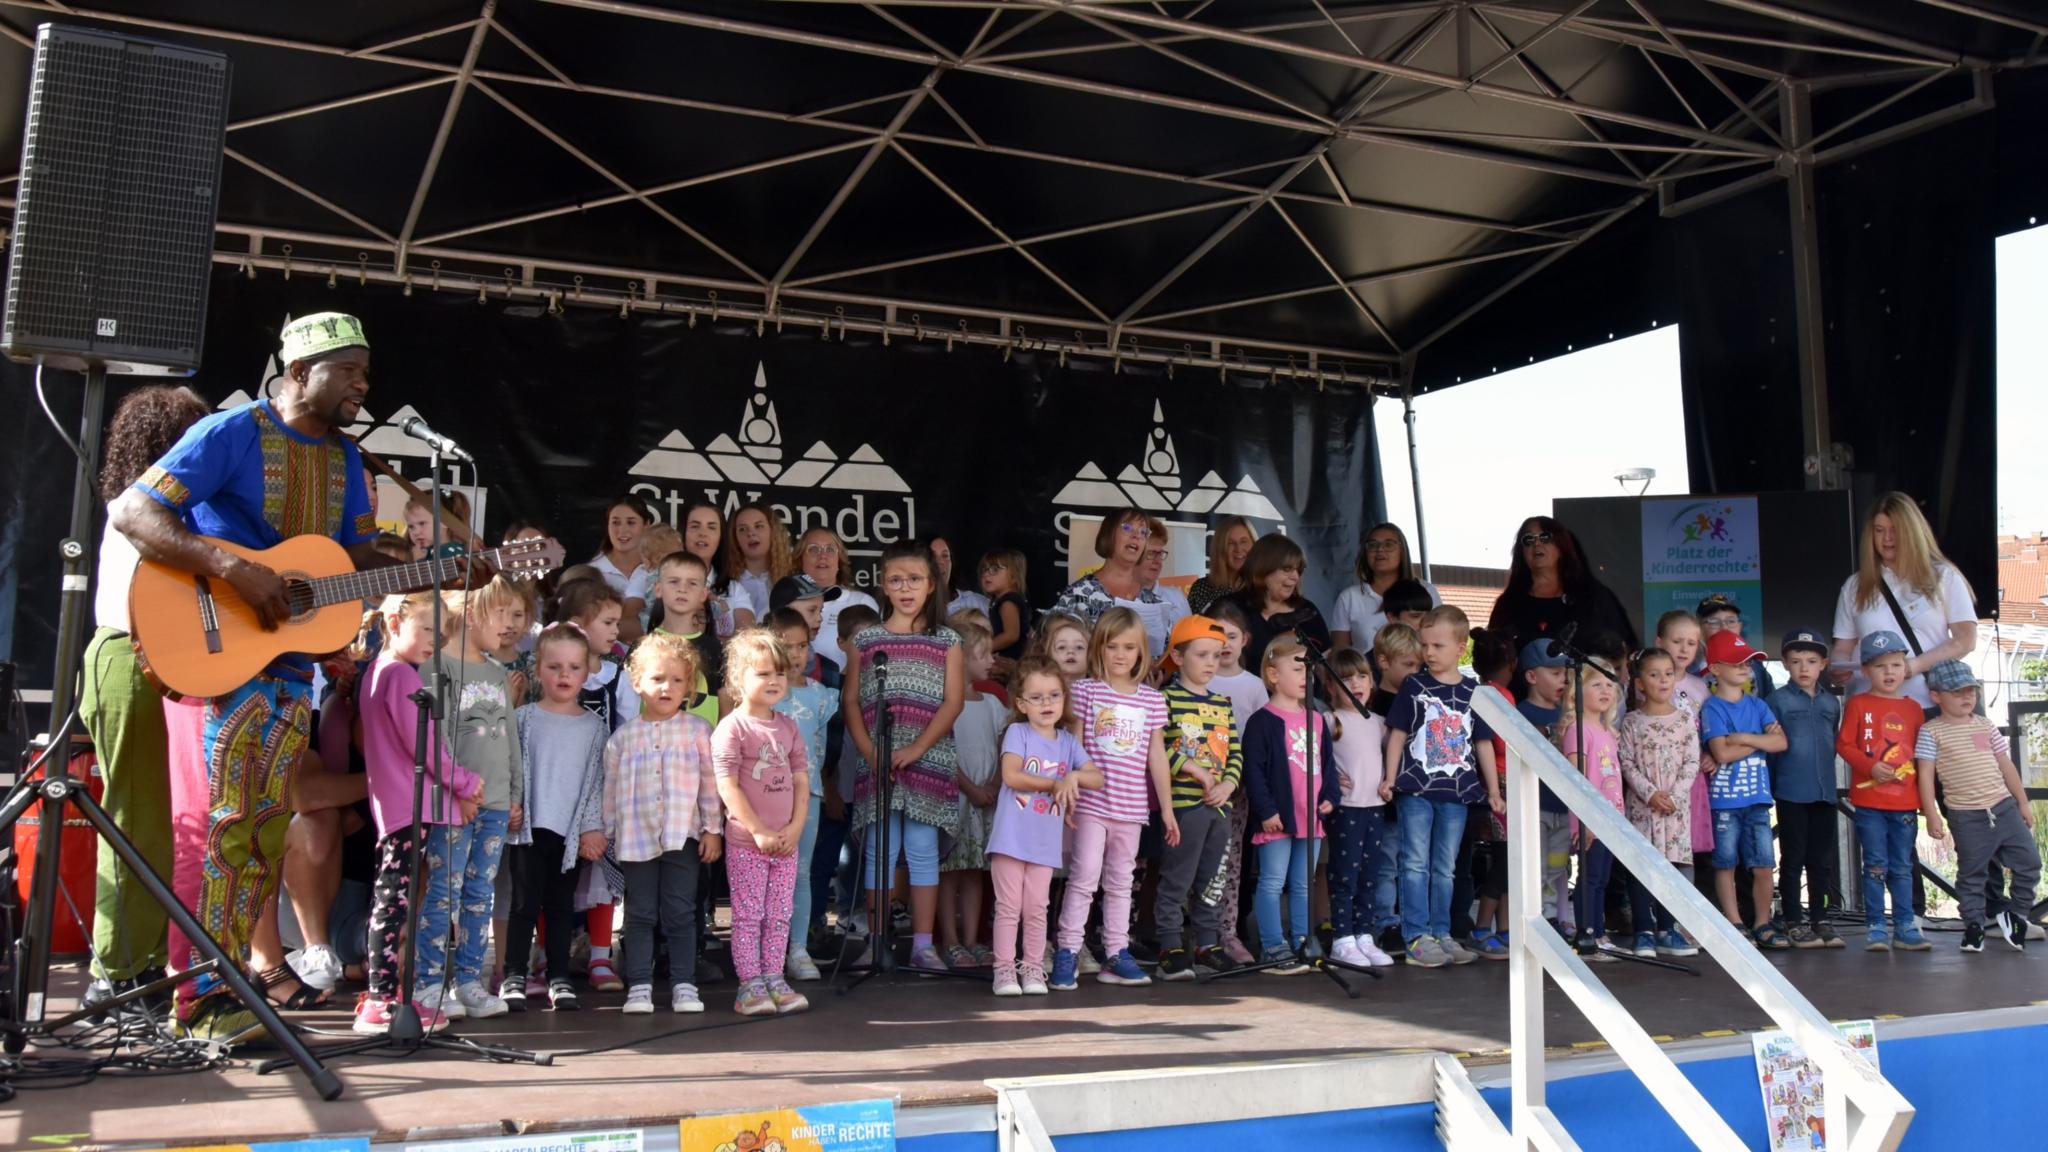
x=1741, y=150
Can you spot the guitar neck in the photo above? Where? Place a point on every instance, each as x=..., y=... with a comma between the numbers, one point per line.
x=376, y=583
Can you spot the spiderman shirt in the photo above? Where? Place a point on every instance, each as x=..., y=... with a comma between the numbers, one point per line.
x=1439, y=761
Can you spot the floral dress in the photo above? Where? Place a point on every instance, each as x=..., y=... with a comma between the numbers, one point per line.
x=1661, y=754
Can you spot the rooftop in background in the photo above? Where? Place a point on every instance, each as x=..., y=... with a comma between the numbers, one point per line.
x=2022, y=595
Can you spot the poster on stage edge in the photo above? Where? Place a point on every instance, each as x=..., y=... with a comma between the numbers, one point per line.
x=1794, y=1110
x=851, y=1126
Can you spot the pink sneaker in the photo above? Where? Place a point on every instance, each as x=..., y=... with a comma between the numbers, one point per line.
x=373, y=1016
x=604, y=978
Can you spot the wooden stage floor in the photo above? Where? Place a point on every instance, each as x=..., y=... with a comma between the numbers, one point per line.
x=935, y=1041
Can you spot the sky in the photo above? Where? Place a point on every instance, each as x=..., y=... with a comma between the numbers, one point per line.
x=1496, y=451
x=2022, y=381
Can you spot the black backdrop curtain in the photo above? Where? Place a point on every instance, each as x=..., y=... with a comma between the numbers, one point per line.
x=565, y=411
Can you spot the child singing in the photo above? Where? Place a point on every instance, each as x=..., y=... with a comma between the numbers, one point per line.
x=1292, y=784
x=1044, y=768
x=764, y=777
x=662, y=817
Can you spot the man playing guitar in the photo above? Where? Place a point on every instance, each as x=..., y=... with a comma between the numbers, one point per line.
x=254, y=476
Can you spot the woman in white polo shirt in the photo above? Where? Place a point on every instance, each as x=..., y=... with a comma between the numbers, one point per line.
x=1898, y=555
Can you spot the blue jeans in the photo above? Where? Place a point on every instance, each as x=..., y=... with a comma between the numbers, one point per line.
x=1887, y=839
x=446, y=869
x=800, y=910
x=1386, y=873
x=916, y=842
x=1431, y=831
x=479, y=890
x=1287, y=862
x=825, y=867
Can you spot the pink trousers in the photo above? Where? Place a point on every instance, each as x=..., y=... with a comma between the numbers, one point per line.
x=1105, y=855
x=1022, y=891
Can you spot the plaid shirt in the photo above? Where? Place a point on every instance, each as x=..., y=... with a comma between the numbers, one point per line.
x=659, y=790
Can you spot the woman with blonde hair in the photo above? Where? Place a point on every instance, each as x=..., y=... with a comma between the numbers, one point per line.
x=1229, y=543
x=1382, y=561
x=821, y=555
x=1903, y=584
x=761, y=552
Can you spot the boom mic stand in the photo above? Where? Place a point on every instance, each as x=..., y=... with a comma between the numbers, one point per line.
x=1307, y=951
x=882, y=922
x=1562, y=646
x=22, y=1014
x=407, y=1034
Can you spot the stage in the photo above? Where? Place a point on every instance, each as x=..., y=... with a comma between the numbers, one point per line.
x=931, y=1042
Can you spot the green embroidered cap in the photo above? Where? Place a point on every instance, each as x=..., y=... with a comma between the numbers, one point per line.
x=319, y=334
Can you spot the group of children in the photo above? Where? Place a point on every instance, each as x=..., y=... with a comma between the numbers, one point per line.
x=1093, y=788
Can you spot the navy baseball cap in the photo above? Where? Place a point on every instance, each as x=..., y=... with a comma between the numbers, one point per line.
x=1882, y=642
x=1536, y=654
x=791, y=589
x=1951, y=676
x=1804, y=639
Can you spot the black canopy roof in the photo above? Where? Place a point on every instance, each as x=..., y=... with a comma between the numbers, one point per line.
x=1315, y=181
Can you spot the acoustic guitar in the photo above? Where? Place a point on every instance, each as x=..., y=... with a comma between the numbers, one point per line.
x=196, y=637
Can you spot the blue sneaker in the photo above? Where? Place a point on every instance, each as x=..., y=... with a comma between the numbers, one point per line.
x=1909, y=939
x=1491, y=947
x=1063, y=967
x=1123, y=969
x=1877, y=941
x=1646, y=944
x=1670, y=943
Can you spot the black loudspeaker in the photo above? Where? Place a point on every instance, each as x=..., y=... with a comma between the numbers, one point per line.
x=113, y=223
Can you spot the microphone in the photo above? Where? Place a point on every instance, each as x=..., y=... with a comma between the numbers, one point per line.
x=880, y=660
x=1307, y=641
x=417, y=428
x=1563, y=642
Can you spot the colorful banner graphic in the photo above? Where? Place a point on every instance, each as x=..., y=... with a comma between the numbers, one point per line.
x=1794, y=1112
x=1695, y=546
x=610, y=1140
x=855, y=1126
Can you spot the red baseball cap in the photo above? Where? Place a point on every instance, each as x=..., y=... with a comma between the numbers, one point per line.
x=1728, y=647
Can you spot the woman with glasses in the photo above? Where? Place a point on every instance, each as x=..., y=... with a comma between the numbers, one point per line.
x=1551, y=586
x=821, y=556
x=1382, y=560
x=1229, y=543
x=1272, y=598
x=1121, y=542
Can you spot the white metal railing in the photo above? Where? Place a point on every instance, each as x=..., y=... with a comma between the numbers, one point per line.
x=1864, y=1112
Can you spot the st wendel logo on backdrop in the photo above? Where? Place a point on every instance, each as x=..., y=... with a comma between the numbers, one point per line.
x=859, y=496
x=1154, y=484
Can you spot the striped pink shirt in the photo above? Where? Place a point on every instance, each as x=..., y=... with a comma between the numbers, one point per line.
x=1117, y=731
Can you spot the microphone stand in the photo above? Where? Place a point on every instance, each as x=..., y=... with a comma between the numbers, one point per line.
x=1563, y=647
x=407, y=1034
x=882, y=922
x=1308, y=950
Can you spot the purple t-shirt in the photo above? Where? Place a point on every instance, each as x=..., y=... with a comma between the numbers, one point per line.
x=1031, y=826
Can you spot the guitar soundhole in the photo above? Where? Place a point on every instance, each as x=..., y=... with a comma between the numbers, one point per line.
x=298, y=596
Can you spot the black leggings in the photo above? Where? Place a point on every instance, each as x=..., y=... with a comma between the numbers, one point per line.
x=540, y=885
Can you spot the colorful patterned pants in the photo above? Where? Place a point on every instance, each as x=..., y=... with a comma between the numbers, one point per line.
x=763, y=891
x=231, y=759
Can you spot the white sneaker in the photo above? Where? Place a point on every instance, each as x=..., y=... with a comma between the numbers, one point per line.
x=478, y=1004
x=684, y=998
x=802, y=967
x=447, y=1003
x=1086, y=963
x=1372, y=953
x=316, y=966
x=1345, y=951
x=639, y=1000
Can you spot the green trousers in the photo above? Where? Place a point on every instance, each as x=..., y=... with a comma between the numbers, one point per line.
x=125, y=715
